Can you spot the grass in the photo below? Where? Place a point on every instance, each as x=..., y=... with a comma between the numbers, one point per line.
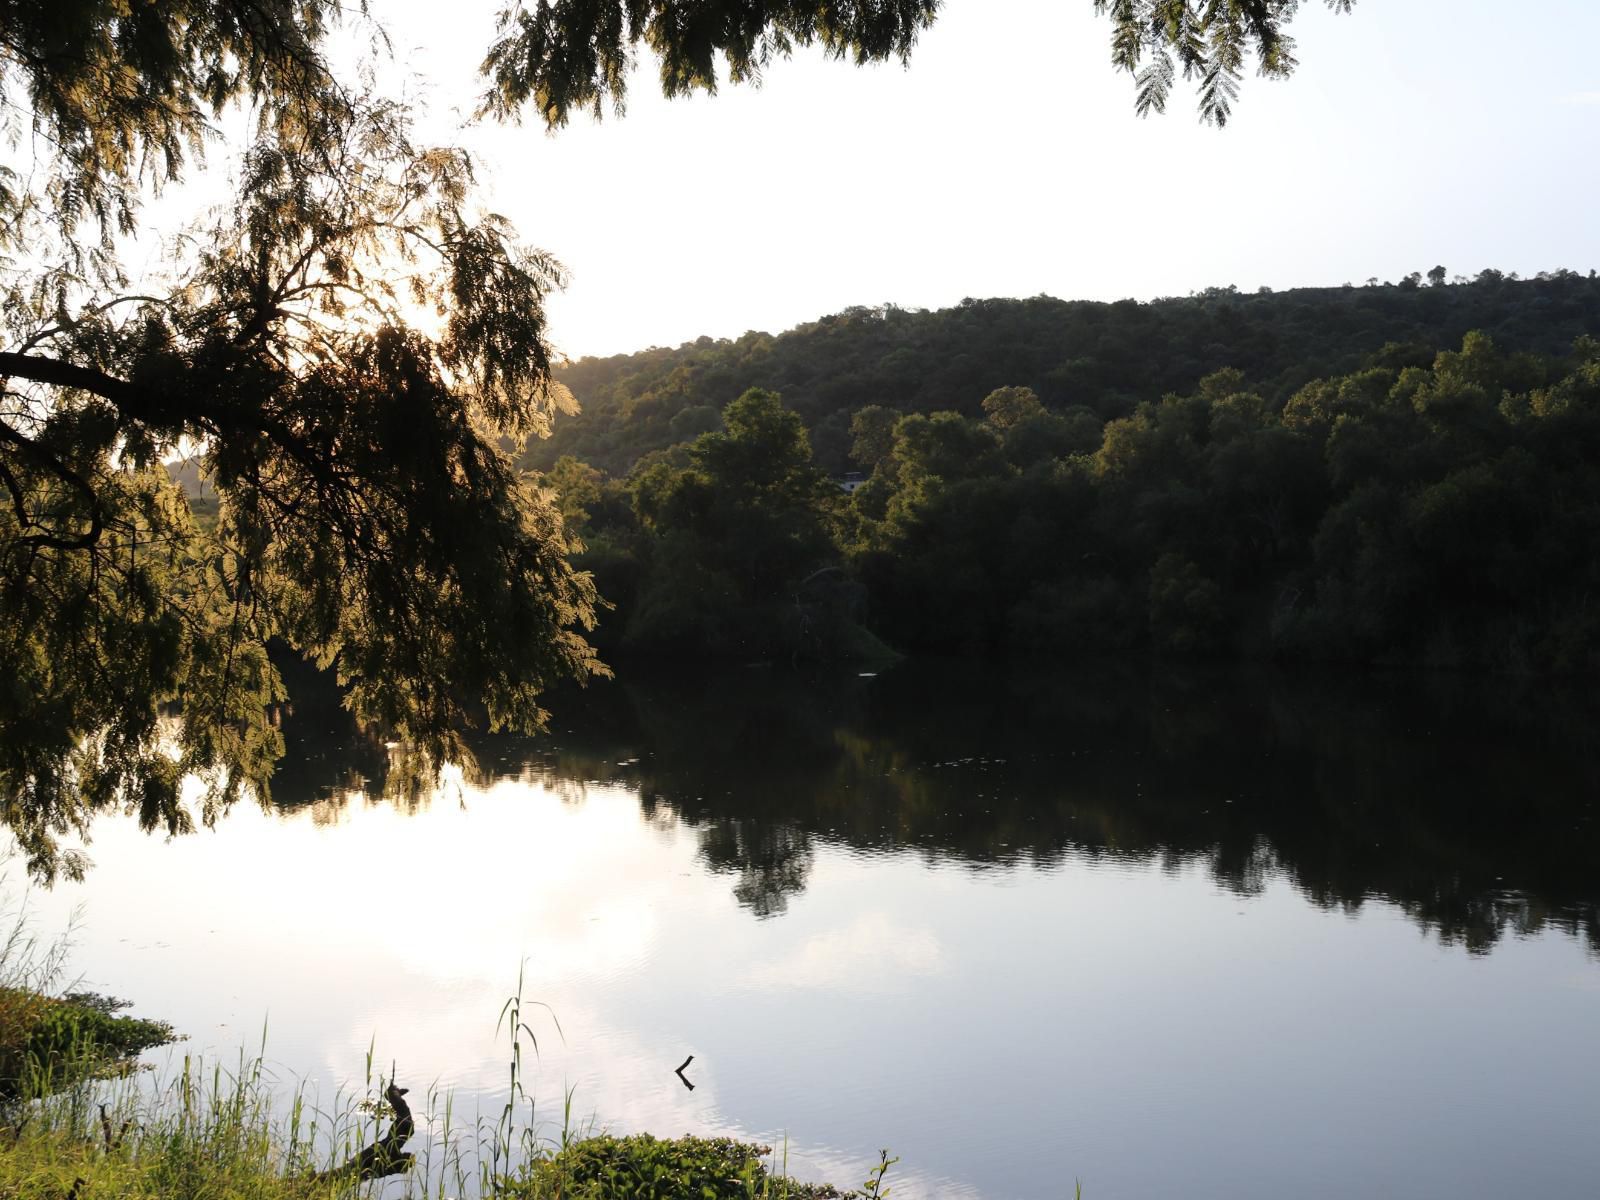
x=211, y=1138
x=75, y=1125
x=73, y=1132
x=213, y=1135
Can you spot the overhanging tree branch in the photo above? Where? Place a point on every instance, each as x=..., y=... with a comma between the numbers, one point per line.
x=54, y=372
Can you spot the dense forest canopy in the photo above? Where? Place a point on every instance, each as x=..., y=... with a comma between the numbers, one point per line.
x=1102, y=357
x=1072, y=480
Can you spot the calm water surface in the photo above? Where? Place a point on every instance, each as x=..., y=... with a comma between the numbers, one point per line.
x=1207, y=935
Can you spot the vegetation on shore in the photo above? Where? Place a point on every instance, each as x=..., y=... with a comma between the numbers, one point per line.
x=49, y=1040
x=75, y=1124
x=216, y=1136
x=210, y=1133
x=649, y=1168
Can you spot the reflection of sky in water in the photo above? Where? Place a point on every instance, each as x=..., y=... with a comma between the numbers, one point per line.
x=1004, y=1030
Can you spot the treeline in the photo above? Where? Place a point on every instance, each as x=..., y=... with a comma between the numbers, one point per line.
x=1424, y=508
x=1104, y=357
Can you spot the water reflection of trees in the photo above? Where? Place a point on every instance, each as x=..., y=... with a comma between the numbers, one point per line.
x=1468, y=804
x=772, y=860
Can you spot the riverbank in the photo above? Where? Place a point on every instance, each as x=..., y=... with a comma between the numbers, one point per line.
x=79, y=1119
x=221, y=1134
x=76, y=1123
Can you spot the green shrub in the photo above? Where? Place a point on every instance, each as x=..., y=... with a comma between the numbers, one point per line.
x=648, y=1168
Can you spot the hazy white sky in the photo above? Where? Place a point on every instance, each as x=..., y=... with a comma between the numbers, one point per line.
x=1006, y=161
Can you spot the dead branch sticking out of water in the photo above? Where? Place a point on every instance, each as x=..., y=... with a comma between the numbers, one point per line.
x=387, y=1155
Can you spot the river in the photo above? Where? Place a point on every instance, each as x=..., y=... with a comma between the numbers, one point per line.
x=1204, y=934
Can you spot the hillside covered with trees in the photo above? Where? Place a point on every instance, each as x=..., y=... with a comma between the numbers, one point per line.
x=1398, y=473
x=1105, y=357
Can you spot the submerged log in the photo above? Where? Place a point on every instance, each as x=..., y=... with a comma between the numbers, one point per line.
x=386, y=1156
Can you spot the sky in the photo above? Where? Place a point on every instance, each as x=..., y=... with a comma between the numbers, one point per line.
x=1006, y=160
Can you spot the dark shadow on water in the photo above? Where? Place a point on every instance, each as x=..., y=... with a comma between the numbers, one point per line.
x=1468, y=802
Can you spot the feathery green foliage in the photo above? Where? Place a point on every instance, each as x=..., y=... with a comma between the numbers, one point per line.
x=1208, y=41
x=124, y=93
x=565, y=55
x=367, y=514
x=559, y=56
